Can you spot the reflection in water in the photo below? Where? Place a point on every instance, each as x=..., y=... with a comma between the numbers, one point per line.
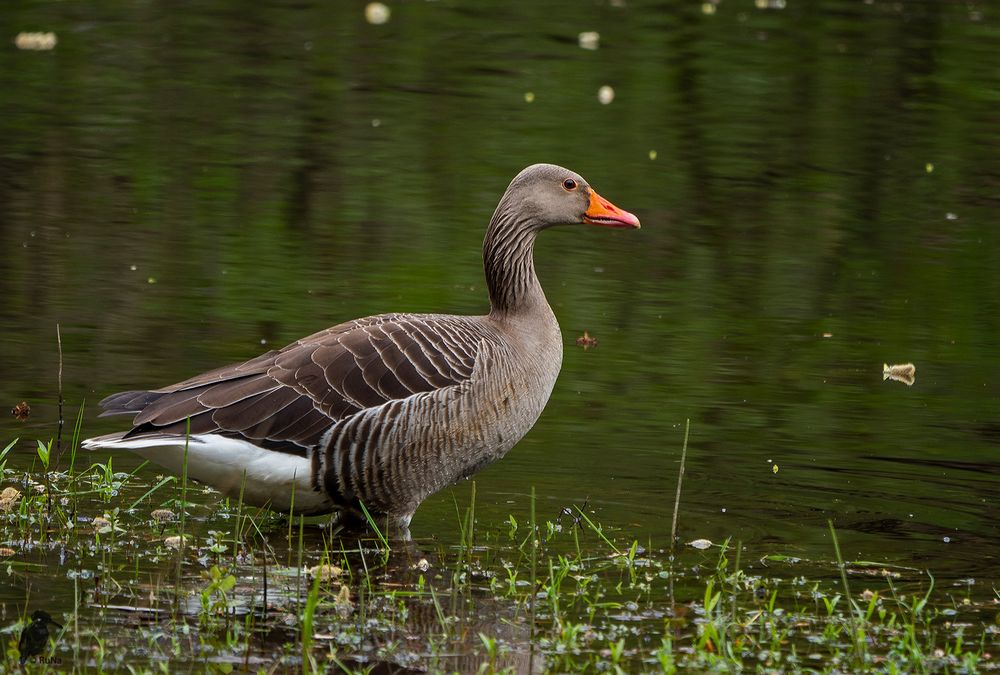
x=393, y=610
x=427, y=615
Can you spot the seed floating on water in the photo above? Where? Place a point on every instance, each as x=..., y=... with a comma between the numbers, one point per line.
x=377, y=13
x=605, y=95
x=529, y=96
x=700, y=544
x=586, y=341
x=21, y=411
x=902, y=372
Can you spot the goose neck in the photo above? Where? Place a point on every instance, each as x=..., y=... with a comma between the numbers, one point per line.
x=508, y=260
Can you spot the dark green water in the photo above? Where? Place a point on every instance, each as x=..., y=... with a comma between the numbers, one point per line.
x=184, y=186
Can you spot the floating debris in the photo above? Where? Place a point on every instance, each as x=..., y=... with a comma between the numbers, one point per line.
x=102, y=525
x=708, y=8
x=343, y=602
x=874, y=572
x=902, y=372
x=701, y=544
x=586, y=341
x=827, y=335
x=529, y=96
x=9, y=499
x=174, y=541
x=37, y=42
x=590, y=39
x=6, y=552
x=606, y=94
x=423, y=565
x=163, y=515
x=325, y=572
x=376, y=13
x=21, y=411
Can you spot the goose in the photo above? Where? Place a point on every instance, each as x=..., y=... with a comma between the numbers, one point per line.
x=379, y=413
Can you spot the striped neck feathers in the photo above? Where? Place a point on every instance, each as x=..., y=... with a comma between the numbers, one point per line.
x=508, y=259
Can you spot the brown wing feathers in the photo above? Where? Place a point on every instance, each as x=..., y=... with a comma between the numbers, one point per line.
x=287, y=399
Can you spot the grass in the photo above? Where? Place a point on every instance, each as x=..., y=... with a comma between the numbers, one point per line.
x=532, y=591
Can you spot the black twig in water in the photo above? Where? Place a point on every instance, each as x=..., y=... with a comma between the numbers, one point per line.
x=61, y=420
x=568, y=512
x=534, y=580
x=264, y=564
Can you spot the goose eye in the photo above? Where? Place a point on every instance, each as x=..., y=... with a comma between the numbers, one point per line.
x=569, y=184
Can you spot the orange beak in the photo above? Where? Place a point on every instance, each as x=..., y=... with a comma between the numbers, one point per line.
x=604, y=213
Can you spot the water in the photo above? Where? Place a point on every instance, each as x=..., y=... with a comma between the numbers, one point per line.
x=184, y=187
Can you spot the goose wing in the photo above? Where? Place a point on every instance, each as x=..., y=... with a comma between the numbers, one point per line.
x=287, y=399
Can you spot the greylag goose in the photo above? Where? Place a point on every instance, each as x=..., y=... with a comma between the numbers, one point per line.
x=386, y=410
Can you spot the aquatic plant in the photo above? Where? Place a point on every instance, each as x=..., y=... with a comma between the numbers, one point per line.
x=212, y=582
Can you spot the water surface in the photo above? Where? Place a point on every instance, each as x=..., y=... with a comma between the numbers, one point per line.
x=183, y=186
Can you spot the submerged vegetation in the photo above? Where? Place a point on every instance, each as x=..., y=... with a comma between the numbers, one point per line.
x=137, y=574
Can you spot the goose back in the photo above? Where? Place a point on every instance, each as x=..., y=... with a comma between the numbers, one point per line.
x=387, y=409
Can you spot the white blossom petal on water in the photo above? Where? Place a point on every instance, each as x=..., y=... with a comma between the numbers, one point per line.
x=377, y=13
x=38, y=42
x=589, y=39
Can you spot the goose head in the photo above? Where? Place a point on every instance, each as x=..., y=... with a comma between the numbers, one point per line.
x=539, y=197
x=547, y=195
